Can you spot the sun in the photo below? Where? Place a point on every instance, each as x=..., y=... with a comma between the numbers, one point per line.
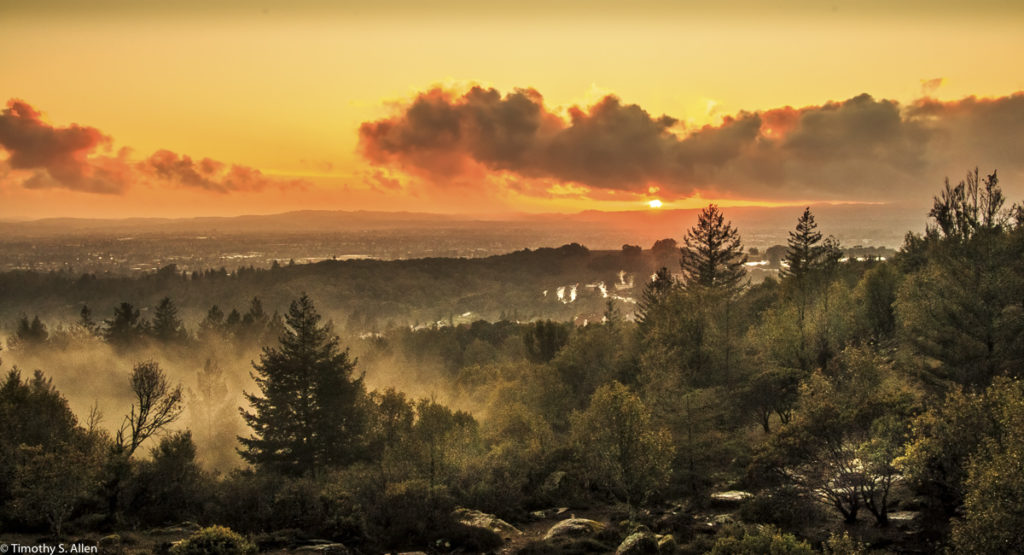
x=654, y=203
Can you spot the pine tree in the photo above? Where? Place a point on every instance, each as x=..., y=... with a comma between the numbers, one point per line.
x=309, y=414
x=167, y=327
x=653, y=295
x=125, y=328
x=804, y=248
x=713, y=257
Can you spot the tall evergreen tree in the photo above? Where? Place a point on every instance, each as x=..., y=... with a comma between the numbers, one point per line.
x=654, y=294
x=309, y=414
x=167, y=327
x=713, y=257
x=125, y=327
x=804, y=248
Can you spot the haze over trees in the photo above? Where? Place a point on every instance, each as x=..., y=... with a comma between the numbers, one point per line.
x=839, y=405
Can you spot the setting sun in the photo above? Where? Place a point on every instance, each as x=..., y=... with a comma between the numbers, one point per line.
x=654, y=203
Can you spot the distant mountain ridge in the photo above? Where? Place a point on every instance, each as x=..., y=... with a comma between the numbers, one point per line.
x=853, y=223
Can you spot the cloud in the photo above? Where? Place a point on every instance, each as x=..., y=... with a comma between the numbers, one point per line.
x=861, y=148
x=211, y=175
x=929, y=86
x=59, y=156
x=42, y=156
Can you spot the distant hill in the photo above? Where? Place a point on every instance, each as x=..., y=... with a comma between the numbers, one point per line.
x=760, y=226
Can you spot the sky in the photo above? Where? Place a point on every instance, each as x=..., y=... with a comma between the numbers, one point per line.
x=146, y=108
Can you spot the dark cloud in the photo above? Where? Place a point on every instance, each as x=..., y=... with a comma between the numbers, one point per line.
x=59, y=156
x=207, y=174
x=857, y=149
x=69, y=157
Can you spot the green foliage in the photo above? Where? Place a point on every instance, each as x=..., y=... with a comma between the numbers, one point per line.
x=876, y=297
x=957, y=453
x=961, y=305
x=787, y=507
x=845, y=434
x=843, y=544
x=310, y=413
x=170, y=487
x=51, y=483
x=543, y=339
x=994, y=501
x=621, y=452
x=595, y=355
x=32, y=413
x=713, y=257
x=759, y=540
x=214, y=540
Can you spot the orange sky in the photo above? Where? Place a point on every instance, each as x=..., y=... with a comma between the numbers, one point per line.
x=283, y=88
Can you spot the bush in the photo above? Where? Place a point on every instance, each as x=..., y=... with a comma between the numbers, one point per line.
x=758, y=540
x=214, y=540
x=785, y=507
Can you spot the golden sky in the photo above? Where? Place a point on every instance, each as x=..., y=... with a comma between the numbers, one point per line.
x=290, y=105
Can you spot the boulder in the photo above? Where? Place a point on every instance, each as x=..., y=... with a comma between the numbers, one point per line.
x=667, y=544
x=548, y=513
x=574, y=528
x=478, y=519
x=638, y=543
x=324, y=548
x=110, y=544
x=731, y=498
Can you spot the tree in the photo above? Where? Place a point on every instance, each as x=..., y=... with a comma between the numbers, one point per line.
x=86, y=323
x=51, y=484
x=961, y=305
x=32, y=413
x=125, y=328
x=713, y=271
x=845, y=436
x=804, y=248
x=544, y=338
x=212, y=325
x=713, y=257
x=621, y=451
x=29, y=336
x=157, y=405
x=654, y=294
x=167, y=327
x=971, y=207
x=309, y=413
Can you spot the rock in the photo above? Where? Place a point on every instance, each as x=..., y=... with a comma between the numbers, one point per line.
x=548, y=513
x=478, y=519
x=710, y=524
x=667, y=544
x=903, y=519
x=574, y=528
x=638, y=543
x=325, y=548
x=732, y=498
x=110, y=544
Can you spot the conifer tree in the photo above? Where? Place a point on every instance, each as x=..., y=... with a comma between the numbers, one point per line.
x=309, y=413
x=804, y=248
x=167, y=327
x=713, y=257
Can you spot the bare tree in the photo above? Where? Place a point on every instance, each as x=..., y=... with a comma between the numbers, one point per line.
x=157, y=405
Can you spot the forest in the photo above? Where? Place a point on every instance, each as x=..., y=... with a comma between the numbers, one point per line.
x=840, y=406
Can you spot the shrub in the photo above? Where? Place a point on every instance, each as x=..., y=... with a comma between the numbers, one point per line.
x=758, y=540
x=214, y=540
